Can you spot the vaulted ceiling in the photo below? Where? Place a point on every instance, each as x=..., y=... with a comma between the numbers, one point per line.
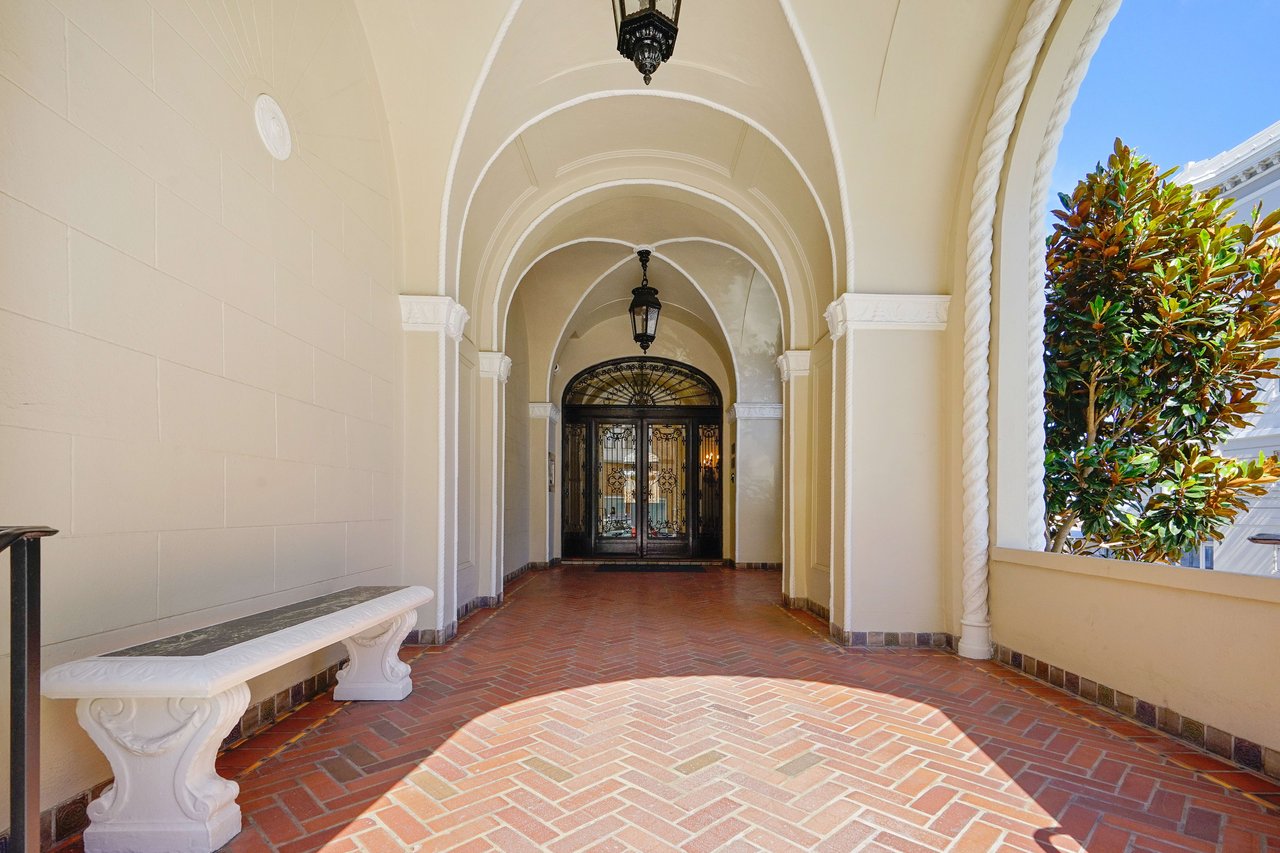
x=783, y=133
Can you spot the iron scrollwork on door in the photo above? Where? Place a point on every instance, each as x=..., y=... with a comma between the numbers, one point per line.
x=641, y=382
x=668, y=483
x=616, y=480
x=641, y=455
x=575, y=478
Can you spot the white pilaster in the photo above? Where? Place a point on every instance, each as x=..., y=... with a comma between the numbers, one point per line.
x=794, y=367
x=840, y=316
x=434, y=327
x=490, y=429
x=544, y=503
x=848, y=317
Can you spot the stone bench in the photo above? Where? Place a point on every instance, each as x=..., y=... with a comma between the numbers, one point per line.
x=160, y=710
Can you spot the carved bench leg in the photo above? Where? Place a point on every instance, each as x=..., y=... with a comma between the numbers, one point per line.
x=166, y=796
x=375, y=670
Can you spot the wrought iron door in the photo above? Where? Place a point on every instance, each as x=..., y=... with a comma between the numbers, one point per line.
x=641, y=462
x=666, y=507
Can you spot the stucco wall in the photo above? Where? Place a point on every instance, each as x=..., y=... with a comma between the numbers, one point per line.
x=898, y=447
x=200, y=343
x=518, y=481
x=1199, y=643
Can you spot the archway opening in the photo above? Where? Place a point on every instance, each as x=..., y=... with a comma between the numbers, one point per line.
x=642, y=464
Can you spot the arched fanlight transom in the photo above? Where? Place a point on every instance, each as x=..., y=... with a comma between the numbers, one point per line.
x=643, y=381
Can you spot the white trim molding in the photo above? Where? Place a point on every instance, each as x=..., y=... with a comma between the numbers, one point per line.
x=975, y=637
x=755, y=412
x=495, y=365
x=433, y=314
x=887, y=311
x=793, y=363
x=550, y=411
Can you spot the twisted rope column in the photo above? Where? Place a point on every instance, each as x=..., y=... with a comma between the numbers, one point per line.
x=975, y=638
x=1036, y=528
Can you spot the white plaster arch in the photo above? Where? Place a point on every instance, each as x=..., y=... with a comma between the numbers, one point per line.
x=496, y=300
x=824, y=107
x=678, y=96
x=757, y=223
x=832, y=151
x=460, y=138
x=629, y=259
x=502, y=307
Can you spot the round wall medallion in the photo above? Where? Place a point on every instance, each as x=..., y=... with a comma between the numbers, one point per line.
x=272, y=127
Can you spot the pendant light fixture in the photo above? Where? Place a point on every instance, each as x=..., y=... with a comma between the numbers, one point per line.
x=646, y=32
x=645, y=306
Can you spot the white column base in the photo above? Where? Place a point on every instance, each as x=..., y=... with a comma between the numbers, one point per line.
x=975, y=640
x=166, y=796
x=375, y=670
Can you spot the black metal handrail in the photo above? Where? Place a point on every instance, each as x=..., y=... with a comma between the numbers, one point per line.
x=24, y=684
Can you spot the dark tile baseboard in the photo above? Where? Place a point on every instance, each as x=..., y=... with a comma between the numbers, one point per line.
x=893, y=639
x=432, y=636
x=1246, y=753
x=529, y=567
x=819, y=610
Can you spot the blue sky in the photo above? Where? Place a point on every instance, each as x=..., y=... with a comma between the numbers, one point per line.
x=1179, y=80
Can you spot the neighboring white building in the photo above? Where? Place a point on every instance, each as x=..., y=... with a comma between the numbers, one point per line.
x=1249, y=174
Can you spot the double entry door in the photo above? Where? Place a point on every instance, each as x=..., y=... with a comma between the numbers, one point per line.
x=641, y=486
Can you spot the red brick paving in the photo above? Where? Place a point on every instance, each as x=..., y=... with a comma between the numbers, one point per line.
x=691, y=712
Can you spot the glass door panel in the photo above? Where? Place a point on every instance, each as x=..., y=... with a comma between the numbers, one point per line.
x=576, y=499
x=709, y=487
x=667, y=485
x=616, y=484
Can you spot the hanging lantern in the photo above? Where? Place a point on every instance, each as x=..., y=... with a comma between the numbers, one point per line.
x=645, y=306
x=646, y=32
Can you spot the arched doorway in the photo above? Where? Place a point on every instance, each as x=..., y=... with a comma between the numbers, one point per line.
x=642, y=464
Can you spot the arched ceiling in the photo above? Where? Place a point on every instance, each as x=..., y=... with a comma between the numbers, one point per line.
x=556, y=112
x=789, y=126
x=706, y=289
x=726, y=178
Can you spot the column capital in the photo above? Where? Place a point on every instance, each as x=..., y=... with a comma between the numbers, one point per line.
x=904, y=311
x=793, y=363
x=550, y=411
x=494, y=365
x=755, y=412
x=433, y=314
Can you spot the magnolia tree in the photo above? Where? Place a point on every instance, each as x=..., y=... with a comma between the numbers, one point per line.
x=1160, y=320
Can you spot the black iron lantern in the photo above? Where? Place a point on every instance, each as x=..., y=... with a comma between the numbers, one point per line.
x=646, y=32
x=645, y=306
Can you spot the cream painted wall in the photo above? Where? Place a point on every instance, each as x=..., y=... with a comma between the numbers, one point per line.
x=898, y=446
x=758, y=537
x=1167, y=635
x=200, y=343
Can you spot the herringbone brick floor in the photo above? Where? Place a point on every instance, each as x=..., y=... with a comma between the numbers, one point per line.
x=611, y=712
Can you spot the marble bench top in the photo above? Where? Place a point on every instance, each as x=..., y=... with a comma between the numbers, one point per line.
x=207, y=661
